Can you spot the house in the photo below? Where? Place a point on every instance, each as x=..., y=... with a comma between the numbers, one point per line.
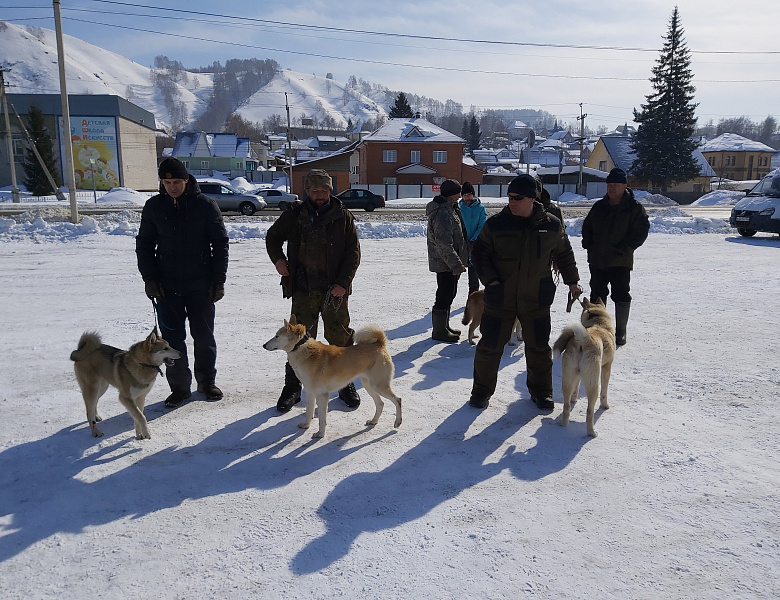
x=506, y=157
x=412, y=151
x=518, y=130
x=615, y=151
x=113, y=140
x=734, y=157
x=203, y=153
x=337, y=164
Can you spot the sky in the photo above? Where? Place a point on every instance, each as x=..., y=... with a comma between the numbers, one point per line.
x=540, y=55
x=677, y=497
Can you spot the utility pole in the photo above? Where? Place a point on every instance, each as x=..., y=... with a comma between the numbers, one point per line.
x=581, y=119
x=68, y=174
x=14, y=188
x=289, y=146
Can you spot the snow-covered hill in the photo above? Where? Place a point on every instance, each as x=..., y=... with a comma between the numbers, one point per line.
x=317, y=97
x=31, y=55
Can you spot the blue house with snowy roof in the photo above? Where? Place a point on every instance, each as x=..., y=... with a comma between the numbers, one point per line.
x=204, y=153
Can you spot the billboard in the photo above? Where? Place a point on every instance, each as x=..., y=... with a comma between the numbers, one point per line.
x=95, y=152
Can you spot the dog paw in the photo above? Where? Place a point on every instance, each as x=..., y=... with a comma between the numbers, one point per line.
x=397, y=424
x=303, y=425
x=319, y=435
x=97, y=433
x=98, y=418
x=593, y=433
x=371, y=423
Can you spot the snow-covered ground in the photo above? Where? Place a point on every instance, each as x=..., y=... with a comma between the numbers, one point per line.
x=677, y=497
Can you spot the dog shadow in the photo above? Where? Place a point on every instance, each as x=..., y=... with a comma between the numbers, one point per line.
x=437, y=469
x=48, y=483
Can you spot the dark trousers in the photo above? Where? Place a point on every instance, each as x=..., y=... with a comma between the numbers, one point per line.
x=197, y=308
x=496, y=329
x=308, y=308
x=473, y=279
x=618, y=278
x=446, y=290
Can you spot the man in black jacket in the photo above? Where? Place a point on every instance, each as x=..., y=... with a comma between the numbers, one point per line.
x=323, y=254
x=182, y=250
x=615, y=226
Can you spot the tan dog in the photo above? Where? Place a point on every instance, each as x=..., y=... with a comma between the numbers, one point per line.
x=475, y=306
x=323, y=368
x=588, y=349
x=132, y=372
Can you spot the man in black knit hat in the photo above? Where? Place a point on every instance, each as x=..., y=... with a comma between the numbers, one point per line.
x=182, y=250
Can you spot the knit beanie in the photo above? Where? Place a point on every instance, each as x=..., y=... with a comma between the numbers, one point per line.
x=467, y=188
x=524, y=186
x=317, y=179
x=449, y=187
x=617, y=176
x=172, y=168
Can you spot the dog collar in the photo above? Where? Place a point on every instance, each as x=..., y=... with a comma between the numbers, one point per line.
x=301, y=342
x=155, y=367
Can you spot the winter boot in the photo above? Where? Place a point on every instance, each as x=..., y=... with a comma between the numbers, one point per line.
x=350, y=396
x=449, y=328
x=291, y=392
x=210, y=390
x=440, y=317
x=621, y=320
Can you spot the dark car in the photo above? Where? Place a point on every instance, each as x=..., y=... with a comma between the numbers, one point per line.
x=364, y=199
x=759, y=210
x=230, y=200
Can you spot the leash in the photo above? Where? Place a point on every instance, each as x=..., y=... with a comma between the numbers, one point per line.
x=331, y=300
x=155, y=367
x=572, y=298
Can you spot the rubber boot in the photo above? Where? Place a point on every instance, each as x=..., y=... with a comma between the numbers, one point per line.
x=621, y=320
x=440, y=317
x=449, y=327
x=291, y=392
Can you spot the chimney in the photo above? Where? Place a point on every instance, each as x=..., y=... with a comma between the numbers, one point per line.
x=417, y=115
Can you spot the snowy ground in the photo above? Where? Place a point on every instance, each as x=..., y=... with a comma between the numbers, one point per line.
x=676, y=498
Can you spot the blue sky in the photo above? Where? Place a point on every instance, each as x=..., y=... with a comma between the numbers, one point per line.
x=449, y=58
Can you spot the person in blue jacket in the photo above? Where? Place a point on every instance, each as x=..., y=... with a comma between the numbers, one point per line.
x=474, y=217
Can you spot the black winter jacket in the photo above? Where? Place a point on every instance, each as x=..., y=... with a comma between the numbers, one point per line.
x=182, y=244
x=336, y=226
x=610, y=234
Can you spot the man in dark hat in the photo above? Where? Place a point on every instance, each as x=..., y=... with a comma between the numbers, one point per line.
x=182, y=250
x=448, y=255
x=513, y=256
x=615, y=226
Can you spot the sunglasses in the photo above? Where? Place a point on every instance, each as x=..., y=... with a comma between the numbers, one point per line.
x=515, y=198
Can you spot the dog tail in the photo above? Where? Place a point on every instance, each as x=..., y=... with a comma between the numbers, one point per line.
x=575, y=331
x=371, y=334
x=88, y=343
x=466, y=315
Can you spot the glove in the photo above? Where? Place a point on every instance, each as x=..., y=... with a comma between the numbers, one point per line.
x=217, y=292
x=153, y=289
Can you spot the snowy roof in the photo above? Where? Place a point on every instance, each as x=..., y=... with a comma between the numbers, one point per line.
x=411, y=130
x=213, y=144
x=621, y=153
x=731, y=142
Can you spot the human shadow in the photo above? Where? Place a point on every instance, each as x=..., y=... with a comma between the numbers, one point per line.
x=56, y=484
x=436, y=470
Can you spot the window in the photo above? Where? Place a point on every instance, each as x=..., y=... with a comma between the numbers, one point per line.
x=415, y=157
x=389, y=156
x=204, y=164
x=389, y=180
x=18, y=144
x=186, y=164
x=440, y=156
x=239, y=166
x=602, y=165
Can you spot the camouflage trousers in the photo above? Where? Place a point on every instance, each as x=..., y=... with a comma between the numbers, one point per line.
x=496, y=329
x=309, y=307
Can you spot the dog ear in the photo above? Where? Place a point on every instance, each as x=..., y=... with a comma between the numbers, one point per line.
x=152, y=337
x=293, y=320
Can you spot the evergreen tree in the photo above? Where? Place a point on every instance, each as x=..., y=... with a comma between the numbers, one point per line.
x=401, y=108
x=464, y=133
x=35, y=179
x=663, y=144
x=474, y=134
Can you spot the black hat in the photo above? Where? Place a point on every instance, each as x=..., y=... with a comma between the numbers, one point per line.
x=467, y=188
x=617, y=176
x=172, y=168
x=524, y=186
x=450, y=187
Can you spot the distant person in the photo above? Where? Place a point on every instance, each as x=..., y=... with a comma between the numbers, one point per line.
x=513, y=256
x=323, y=254
x=182, y=251
x=615, y=226
x=474, y=217
x=448, y=255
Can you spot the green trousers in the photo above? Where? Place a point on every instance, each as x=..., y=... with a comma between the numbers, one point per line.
x=309, y=307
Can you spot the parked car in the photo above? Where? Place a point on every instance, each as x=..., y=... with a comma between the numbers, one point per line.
x=759, y=210
x=364, y=199
x=277, y=198
x=230, y=200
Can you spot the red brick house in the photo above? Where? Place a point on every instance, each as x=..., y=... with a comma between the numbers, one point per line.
x=410, y=152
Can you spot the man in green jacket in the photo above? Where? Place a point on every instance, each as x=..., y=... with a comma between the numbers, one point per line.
x=323, y=254
x=615, y=226
x=513, y=256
